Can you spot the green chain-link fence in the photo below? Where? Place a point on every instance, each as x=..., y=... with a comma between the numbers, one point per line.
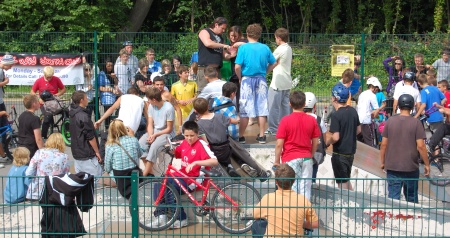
x=366, y=212
x=311, y=62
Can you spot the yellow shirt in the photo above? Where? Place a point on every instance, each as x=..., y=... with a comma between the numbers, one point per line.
x=285, y=212
x=183, y=92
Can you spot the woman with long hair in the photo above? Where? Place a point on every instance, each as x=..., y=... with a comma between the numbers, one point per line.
x=395, y=72
x=122, y=148
x=48, y=161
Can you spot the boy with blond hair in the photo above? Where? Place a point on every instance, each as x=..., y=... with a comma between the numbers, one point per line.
x=17, y=183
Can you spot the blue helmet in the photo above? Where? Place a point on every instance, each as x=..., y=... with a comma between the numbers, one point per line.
x=340, y=92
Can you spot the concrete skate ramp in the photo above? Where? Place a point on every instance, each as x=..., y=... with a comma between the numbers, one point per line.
x=368, y=158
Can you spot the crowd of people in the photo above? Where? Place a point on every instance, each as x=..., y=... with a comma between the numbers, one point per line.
x=153, y=102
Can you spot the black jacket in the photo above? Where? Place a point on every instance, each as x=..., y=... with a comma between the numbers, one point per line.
x=61, y=197
x=81, y=132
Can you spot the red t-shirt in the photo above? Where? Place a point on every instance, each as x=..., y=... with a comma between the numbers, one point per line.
x=297, y=130
x=447, y=95
x=52, y=86
x=190, y=153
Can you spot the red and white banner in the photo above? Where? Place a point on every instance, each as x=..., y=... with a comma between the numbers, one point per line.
x=29, y=67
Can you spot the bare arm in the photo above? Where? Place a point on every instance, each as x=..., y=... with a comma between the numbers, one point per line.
x=108, y=113
x=206, y=40
x=394, y=110
x=93, y=143
x=424, y=155
x=270, y=68
x=61, y=92
x=333, y=139
x=237, y=69
x=421, y=109
x=5, y=82
x=315, y=143
x=38, y=138
x=310, y=225
x=207, y=163
x=383, y=146
x=278, y=149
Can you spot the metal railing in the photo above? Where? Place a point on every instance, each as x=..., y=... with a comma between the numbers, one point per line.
x=365, y=212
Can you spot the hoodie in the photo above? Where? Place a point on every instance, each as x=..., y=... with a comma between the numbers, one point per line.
x=81, y=131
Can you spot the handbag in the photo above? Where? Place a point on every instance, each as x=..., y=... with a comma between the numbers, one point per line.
x=124, y=184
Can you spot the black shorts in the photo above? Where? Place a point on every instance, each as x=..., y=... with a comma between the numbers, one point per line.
x=342, y=167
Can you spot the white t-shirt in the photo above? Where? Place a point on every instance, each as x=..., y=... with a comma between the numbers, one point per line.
x=281, y=79
x=130, y=112
x=443, y=69
x=401, y=89
x=367, y=102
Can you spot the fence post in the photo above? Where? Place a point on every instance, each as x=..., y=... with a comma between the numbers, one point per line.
x=363, y=45
x=134, y=204
x=96, y=103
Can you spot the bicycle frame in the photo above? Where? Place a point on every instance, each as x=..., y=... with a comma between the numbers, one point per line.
x=5, y=129
x=169, y=172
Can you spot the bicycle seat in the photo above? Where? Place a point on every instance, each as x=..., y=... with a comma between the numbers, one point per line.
x=211, y=173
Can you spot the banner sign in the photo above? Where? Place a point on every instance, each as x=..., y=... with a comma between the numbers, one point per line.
x=342, y=58
x=29, y=67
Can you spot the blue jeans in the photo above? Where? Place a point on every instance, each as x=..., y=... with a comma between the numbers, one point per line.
x=259, y=227
x=169, y=198
x=397, y=181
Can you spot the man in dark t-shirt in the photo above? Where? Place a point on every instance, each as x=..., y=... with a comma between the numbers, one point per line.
x=211, y=48
x=405, y=132
x=30, y=126
x=344, y=127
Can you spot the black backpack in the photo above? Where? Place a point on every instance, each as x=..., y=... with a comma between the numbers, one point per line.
x=319, y=155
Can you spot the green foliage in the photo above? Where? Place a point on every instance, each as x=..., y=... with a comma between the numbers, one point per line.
x=64, y=15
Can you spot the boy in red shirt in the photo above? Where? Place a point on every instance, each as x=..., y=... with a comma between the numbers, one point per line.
x=194, y=154
x=297, y=140
x=443, y=87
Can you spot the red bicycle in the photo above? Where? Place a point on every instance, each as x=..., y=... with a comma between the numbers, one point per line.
x=230, y=206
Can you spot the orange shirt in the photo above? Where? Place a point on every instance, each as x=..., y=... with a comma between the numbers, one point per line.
x=285, y=212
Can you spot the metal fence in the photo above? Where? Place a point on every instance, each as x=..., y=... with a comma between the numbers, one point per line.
x=311, y=64
x=365, y=212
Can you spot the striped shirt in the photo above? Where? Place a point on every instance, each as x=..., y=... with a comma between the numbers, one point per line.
x=125, y=76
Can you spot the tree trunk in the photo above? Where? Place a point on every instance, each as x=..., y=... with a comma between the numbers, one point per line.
x=137, y=17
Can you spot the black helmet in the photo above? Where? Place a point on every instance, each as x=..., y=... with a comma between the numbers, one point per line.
x=46, y=95
x=406, y=101
x=410, y=76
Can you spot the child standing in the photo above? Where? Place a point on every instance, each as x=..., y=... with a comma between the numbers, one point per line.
x=17, y=182
x=319, y=154
x=194, y=154
x=443, y=87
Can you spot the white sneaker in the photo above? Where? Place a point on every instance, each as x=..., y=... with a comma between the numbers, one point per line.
x=158, y=221
x=2, y=166
x=178, y=224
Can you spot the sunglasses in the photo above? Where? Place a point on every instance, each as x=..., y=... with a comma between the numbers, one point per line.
x=398, y=63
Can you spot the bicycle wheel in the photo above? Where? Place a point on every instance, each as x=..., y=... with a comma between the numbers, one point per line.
x=66, y=132
x=227, y=217
x=147, y=193
x=440, y=170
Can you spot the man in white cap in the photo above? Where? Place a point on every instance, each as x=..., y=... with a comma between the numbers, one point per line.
x=367, y=110
x=6, y=63
x=132, y=60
